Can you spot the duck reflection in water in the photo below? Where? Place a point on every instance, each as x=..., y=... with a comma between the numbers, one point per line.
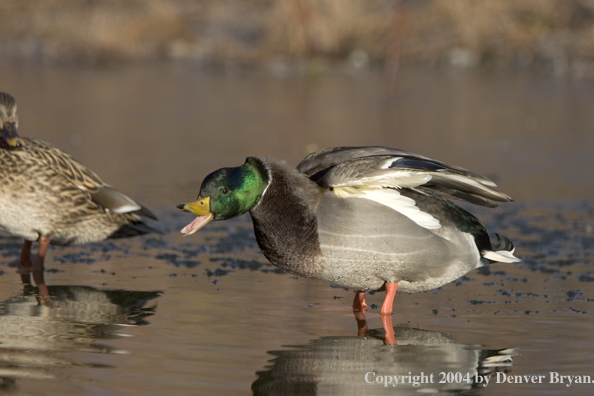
x=33, y=334
x=363, y=365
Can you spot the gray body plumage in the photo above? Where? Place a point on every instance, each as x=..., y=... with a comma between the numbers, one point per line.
x=360, y=217
x=365, y=244
x=45, y=192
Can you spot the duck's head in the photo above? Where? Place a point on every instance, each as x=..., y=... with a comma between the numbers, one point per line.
x=9, y=121
x=227, y=193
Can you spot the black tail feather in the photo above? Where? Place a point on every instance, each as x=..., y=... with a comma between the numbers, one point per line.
x=503, y=243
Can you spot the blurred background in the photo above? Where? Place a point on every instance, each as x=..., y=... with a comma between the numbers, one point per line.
x=153, y=95
x=160, y=92
x=549, y=36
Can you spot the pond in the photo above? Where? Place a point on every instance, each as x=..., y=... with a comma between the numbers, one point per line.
x=207, y=314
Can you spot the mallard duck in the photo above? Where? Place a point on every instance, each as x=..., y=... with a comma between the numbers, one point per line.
x=364, y=218
x=49, y=197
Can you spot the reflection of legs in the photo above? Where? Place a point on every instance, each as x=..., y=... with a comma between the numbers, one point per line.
x=25, y=264
x=359, y=307
x=386, y=323
x=359, y=303
x=361, y=322
x=38, y=268
x=388, y=329
x=386, y=312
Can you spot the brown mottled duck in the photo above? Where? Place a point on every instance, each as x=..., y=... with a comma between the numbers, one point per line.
x=49, y=197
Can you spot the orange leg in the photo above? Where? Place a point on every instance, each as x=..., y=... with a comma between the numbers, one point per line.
x=389, y=300
x=38, y=268
x=359, y=303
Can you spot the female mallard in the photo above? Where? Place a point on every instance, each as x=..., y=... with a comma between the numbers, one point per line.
x=359, y=217
x=47, y=196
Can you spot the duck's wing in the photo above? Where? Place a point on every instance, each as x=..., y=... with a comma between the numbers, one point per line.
x=84, y=179
x=412, y=185
x=381, y=167
x=326, y=158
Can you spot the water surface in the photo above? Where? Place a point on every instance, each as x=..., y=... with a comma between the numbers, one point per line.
x=207, y=314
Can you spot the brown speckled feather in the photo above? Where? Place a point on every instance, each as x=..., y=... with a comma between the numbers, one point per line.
x=46, y=192
x=37, y=152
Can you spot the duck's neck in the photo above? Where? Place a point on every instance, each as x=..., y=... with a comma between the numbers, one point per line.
x=284, y=220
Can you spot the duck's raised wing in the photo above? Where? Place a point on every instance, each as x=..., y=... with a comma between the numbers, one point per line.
x=376, y=167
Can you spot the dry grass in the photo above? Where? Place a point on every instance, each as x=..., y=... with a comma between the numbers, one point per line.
x=556, y=33
x=505, y=32
x=88, y=31
x=303, y=28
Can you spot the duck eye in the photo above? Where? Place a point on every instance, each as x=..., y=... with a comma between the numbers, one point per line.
x=225, y=191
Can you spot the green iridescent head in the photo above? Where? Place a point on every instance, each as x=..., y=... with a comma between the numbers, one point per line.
x=227, y=193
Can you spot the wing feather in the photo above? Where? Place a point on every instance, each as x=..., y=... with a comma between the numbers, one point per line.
x=83, y=178
x=385, y=167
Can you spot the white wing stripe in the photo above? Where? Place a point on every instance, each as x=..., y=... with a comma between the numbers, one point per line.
x=392, y=199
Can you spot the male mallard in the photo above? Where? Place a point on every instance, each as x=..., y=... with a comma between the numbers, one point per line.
x=359, y=217
x=47, y=196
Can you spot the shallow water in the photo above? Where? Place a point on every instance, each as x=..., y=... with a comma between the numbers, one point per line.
x=206, y=314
